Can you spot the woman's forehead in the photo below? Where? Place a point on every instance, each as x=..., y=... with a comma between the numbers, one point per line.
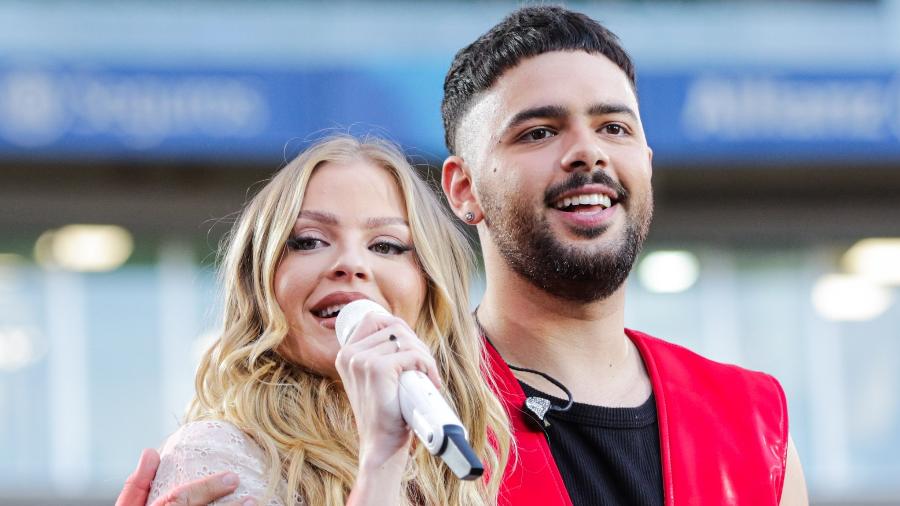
x=359, y=192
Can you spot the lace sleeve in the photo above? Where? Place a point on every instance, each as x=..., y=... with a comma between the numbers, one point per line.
x=203, y=448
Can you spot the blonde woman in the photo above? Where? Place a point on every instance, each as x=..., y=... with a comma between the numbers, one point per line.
x=299, y=419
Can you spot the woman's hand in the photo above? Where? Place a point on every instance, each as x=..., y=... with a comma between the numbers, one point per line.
x=369, y=364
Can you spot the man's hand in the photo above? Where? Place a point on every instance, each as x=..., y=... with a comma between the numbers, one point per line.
x=195, y=493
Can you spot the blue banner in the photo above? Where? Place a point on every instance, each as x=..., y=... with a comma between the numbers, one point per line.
x=745, y=116
x=772, y=117
x=209, y=114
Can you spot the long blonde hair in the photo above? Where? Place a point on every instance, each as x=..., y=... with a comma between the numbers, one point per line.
x=303, y=420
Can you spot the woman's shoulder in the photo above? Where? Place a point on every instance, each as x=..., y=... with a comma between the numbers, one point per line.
x=205, y=447
x=214, y=435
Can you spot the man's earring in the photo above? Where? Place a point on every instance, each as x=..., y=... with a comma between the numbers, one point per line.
x=469, y=216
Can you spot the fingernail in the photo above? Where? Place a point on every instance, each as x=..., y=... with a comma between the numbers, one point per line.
x=230, y=480
x=249, y=502
x=144, y=456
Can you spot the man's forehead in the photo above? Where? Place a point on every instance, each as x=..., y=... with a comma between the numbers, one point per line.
x=564, y=75
x=542, y=80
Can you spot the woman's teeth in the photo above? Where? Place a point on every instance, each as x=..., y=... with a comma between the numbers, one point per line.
x=591, y=199
x=329, y=311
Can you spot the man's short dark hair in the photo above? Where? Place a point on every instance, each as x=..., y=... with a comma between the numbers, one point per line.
x=527, y=32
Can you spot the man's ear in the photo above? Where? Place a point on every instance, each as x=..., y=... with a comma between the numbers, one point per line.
x=456, y=180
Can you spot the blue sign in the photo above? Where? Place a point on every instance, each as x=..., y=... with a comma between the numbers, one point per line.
x=742, y=116
x=210, y=114
x=770, y=117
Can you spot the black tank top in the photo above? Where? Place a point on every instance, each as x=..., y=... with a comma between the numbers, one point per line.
x=606, y=456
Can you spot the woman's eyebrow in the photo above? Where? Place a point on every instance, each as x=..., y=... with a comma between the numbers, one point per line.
x=387, y=220
x=332, y=219
x=320, y=216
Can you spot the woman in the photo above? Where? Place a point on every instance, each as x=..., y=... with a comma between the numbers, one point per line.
x=300, y=419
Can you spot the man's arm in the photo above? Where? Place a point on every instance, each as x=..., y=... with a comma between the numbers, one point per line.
x=195, y=493
x=794, y=490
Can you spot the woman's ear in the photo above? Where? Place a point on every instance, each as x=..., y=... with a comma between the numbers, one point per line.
x=456, y=180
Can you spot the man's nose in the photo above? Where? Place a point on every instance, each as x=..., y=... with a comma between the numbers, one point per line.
x=584, y=151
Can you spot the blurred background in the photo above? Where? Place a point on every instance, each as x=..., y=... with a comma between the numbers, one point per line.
x=131, y=132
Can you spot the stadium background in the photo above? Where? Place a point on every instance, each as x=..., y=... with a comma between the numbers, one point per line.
x=776, y=131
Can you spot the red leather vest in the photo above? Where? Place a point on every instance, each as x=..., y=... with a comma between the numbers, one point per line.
x=722, y=431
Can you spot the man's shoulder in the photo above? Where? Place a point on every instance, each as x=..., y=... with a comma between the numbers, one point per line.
x=670, y=357
x=716, y=416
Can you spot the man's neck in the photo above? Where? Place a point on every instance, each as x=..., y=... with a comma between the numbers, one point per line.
x=583, y=345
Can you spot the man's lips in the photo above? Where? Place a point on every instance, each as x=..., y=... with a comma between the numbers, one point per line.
x=590, y=216
x=588, y=195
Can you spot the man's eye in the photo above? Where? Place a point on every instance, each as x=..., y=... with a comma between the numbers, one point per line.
x=615, y=129
x=538, y=134
x=304, y=243
x=389, y=248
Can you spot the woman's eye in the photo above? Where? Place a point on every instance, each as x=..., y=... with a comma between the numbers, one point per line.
x=389, y=248
x=538, y=134
x=305, y=243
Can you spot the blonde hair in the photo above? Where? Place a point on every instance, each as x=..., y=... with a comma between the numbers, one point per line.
x=303, y=420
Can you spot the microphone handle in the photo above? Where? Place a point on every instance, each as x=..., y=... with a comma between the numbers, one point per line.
x=422, y=406
x=436, y=425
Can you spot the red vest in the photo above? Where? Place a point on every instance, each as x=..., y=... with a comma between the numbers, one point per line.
x=722, y=432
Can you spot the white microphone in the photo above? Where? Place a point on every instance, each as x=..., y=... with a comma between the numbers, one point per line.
x=422, y=406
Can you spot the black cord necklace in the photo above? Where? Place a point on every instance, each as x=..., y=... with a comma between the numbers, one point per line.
x=535, y=408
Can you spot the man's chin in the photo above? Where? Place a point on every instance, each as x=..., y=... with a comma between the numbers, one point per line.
x=589, y=240
x=586, y=270
x=588, y=233
x=580, y=293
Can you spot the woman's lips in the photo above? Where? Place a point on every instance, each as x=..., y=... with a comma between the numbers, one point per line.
x=328, y=323
x=331, y=304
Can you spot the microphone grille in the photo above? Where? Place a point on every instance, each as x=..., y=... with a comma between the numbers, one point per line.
x=352, y=314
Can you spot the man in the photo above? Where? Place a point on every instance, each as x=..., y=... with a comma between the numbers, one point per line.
x=550, y=163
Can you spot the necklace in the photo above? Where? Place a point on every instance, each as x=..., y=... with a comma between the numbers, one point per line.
x=535, y=408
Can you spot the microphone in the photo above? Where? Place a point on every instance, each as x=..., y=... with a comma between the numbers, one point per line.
x=422, y=406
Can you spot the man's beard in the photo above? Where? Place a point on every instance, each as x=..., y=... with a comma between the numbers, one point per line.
x=525, y=241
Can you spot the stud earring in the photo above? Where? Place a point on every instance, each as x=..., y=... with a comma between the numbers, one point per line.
x=469, y=216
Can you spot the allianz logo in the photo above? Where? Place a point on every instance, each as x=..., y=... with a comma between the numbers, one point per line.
x=767, y=108
x=39, y=107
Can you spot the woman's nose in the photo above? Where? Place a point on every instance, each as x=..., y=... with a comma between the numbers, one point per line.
x=350, y=264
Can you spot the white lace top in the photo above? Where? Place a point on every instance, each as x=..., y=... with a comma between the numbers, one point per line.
x=208, y=447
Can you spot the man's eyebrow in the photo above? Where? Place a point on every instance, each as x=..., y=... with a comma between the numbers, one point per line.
x=544, y=111
x=558, y=112
x=388, y=220
x=604, y=109
x=319, y=216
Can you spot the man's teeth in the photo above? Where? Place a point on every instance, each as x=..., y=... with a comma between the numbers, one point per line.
x=591, y=199
x=329, y=311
